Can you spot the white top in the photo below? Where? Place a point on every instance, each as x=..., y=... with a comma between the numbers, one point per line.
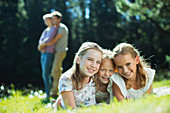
x=85, y=96
x=105, y=96
x=132, y=93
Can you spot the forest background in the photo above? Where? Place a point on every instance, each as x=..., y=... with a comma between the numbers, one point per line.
x=146, y=24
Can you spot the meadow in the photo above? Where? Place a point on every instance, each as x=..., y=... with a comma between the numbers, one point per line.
x=32, y=103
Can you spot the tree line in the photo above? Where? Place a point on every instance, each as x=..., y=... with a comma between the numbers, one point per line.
x=143, y=23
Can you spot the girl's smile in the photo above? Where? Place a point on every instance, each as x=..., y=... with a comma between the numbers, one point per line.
x=91, y=70
x=90, y=62
x=106, y=70
x=126, y=65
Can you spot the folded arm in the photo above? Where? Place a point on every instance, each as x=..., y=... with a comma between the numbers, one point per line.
x=68, y=99
x=53, y=41
x=150, y=90
x=117, y=92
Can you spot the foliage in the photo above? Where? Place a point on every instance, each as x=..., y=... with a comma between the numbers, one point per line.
x=103, y=21
x=31, y=103
x=152, y=10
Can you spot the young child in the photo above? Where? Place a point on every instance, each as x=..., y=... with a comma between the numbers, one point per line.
x=133, y=78
x=47, y=54
x=104, y=85
x=77, y=86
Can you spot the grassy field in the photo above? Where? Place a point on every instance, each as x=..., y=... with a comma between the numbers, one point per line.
x=33, y=104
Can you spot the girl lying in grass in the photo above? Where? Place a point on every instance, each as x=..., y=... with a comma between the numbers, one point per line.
x=77, y=86
x=134, y=77
x=103, y=83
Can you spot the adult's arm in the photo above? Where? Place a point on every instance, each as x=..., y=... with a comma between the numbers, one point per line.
x=53, y=41
x=68, y=99
x=48, y=40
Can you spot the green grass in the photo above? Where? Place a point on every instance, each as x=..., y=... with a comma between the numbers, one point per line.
x=147, y=104
x=162, y=83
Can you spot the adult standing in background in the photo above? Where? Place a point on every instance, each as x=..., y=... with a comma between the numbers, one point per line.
x=47, y=54
x=61, y=41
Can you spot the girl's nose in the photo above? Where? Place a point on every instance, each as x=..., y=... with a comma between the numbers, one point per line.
x=125, y=69
x=93, y=64
x=107, y=73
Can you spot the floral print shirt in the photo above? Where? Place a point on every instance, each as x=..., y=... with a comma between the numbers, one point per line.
x=84, y=96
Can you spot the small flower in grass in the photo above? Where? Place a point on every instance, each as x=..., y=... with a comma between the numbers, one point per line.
x=40, y=92
x=31, y=96
x=2, y=88
x=32, y=92
x=36, y=93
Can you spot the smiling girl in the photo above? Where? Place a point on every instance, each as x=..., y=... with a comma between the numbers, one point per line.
x=134, y=77
x=104, y=92
x=76, y=86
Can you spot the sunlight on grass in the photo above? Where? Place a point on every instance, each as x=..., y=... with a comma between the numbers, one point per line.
x=17, y=103
x=147, y=104
x=161, y=83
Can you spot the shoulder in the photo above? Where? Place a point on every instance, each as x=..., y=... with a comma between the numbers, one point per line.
x=53, y=28
x=65, y=82
x=116, y=77
x=119, y=82
x=67, y=75
x=63, y=26
x=46, y=29
x=150, y=72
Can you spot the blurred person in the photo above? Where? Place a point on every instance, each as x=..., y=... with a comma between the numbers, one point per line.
x=47, y=54
x=77, y=85
x=61, y=41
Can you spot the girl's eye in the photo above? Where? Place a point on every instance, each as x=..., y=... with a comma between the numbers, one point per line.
x=102, y=69
x=89, y=59
x=128, y=64
x=111, y=70
x=98, y=62
x=119, y=67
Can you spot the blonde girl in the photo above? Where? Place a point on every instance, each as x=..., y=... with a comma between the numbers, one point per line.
x=134, y=77
x=104, y=85
x=77, y=86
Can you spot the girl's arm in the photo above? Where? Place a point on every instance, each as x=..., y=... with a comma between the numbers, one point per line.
x=150, y=90
x=117, y=92
x=68, y=99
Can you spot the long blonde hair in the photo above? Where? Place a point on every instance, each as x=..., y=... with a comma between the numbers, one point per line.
x=125, y=48
x=77, y=78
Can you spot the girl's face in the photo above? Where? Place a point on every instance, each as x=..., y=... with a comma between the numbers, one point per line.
x=106, y=70
x=126, y=65
x=90, y=62
x=48, y=22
